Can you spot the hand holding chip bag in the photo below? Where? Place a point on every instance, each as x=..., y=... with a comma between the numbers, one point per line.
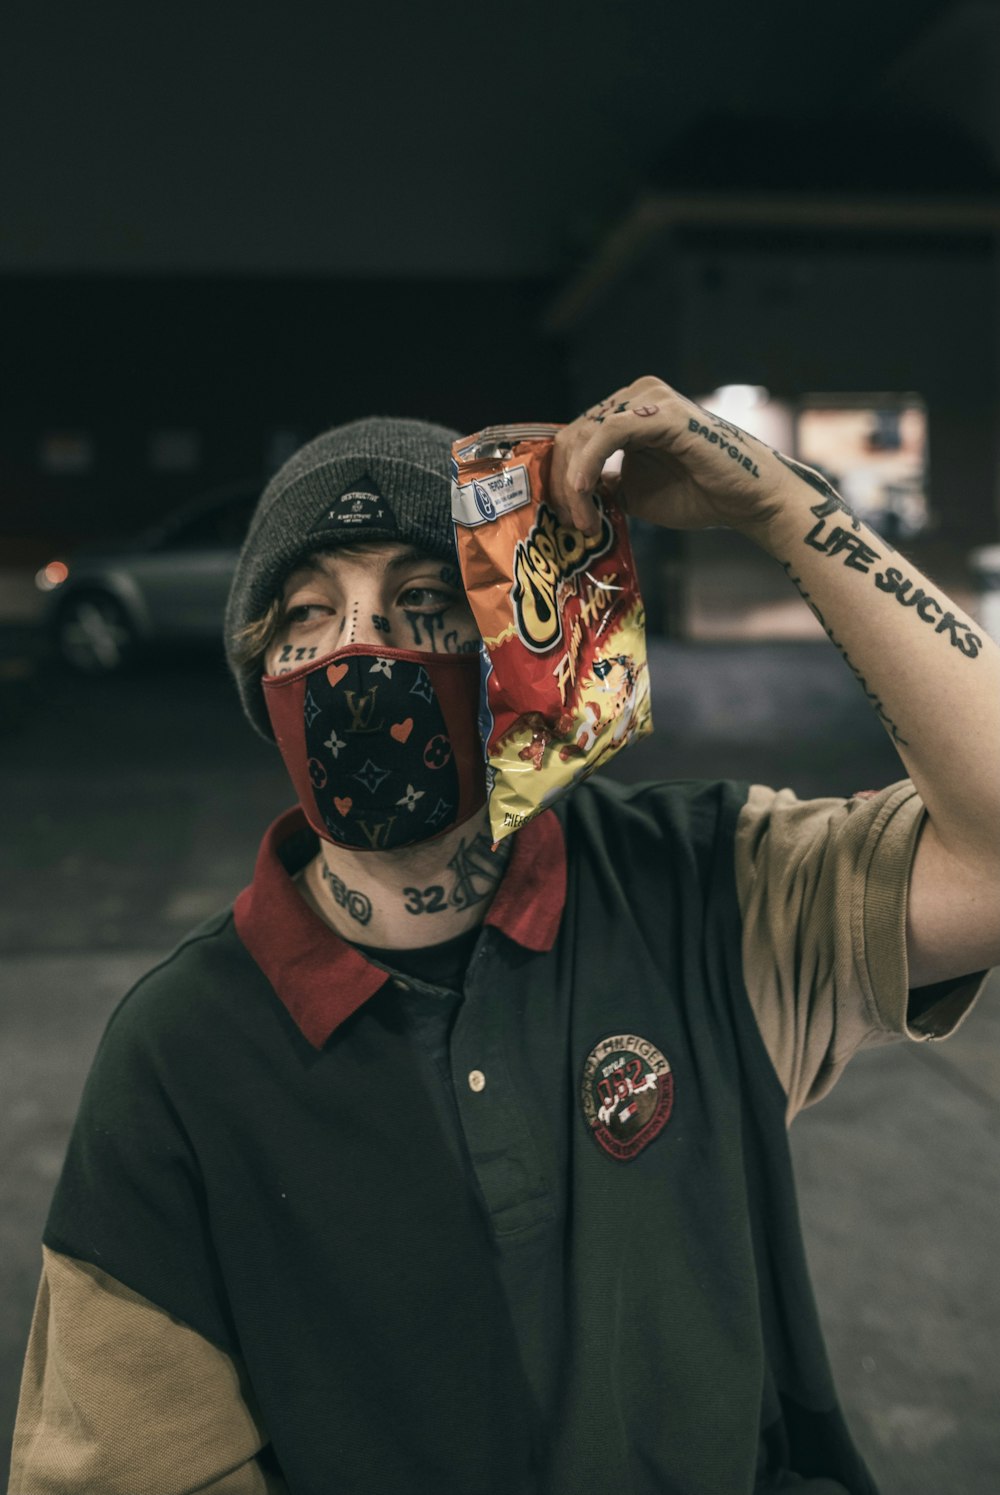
x=565, y=680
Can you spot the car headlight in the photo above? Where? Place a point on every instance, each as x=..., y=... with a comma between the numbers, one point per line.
x=51, y=576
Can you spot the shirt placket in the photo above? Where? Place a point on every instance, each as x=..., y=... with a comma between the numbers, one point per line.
x=504, y=1155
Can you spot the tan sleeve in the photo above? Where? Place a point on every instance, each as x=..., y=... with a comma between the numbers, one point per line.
x=822, y=886
x=118, y=1398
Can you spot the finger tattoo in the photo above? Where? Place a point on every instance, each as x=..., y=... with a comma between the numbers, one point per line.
x=606, y=408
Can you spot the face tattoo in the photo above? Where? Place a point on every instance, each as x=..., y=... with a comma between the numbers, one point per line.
x=382, y=745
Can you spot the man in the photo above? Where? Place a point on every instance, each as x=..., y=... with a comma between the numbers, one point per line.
x=436, y=1167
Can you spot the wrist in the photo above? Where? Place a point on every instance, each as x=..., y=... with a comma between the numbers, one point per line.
x=775, y=521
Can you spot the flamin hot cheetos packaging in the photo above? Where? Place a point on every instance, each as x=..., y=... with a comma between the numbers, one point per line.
x=565, y=682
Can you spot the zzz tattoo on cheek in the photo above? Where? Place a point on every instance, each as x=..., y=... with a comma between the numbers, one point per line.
x=291, y=652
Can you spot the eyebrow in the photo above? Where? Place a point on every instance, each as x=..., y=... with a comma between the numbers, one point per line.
x=414, y=557
x=411, y=556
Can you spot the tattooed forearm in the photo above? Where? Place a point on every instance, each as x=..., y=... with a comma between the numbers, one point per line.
x=876, y=703
x=857, y=555
x=829, y=493
x=354, y=903
x=960, y=635
x=860, y=556
x=724, y=445
x=476, y=870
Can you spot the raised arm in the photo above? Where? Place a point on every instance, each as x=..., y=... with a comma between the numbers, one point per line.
x=931, y=676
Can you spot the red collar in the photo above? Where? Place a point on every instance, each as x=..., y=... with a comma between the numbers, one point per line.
x=322, y=979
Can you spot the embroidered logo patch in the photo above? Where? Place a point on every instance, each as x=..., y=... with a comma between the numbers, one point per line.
x=361, y=506
x=627, y=1094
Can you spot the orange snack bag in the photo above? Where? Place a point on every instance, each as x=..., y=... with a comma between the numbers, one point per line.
x=565, y=680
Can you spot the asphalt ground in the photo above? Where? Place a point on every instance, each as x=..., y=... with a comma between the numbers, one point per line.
x=133, y=808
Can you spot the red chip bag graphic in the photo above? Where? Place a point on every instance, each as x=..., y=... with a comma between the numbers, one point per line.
x=565, y=681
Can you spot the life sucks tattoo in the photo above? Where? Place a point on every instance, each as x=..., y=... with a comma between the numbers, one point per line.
x=858, y=555
x=475, y=872
x=349, y=899
x=876, y=703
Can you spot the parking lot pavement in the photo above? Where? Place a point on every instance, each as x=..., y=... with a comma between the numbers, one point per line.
x=134, y=809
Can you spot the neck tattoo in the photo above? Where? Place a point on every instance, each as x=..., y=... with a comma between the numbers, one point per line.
x=349, y=899
x=475, y=872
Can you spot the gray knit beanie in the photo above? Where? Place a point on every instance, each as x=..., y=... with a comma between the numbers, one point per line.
x=374, y=479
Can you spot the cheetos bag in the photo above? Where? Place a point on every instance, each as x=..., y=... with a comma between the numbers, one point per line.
x=565, y=683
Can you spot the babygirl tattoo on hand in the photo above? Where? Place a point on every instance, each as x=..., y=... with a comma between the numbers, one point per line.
x=724, y=445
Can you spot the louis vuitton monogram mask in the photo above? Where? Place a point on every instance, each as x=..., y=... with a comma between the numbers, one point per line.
x=382, y=745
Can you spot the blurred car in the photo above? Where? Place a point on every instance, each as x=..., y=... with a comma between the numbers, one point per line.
x=108, y=604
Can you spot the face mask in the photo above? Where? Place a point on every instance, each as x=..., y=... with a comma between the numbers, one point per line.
x=382, y=745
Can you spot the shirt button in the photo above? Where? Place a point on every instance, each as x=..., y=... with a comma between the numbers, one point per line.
x=477, y=1080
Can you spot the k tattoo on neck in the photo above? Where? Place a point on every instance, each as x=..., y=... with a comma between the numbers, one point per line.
x=476, y=871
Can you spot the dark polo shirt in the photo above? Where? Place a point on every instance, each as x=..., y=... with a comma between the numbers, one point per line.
x=527, y=1236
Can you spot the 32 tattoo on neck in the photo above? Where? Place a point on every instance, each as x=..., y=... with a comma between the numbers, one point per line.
x=349, y=899
x=475, y=872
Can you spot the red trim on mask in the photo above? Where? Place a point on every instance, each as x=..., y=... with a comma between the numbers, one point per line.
x=455, y=680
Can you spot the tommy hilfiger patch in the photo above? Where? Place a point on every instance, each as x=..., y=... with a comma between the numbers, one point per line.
x=627, y=1094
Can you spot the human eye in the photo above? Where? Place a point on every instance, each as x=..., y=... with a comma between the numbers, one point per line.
x=425, y=599
x=299, y=615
